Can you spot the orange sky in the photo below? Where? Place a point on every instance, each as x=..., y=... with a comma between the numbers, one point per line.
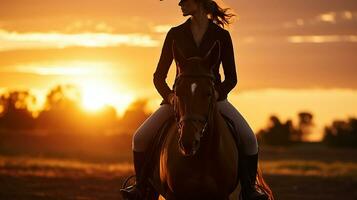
x=291, y=55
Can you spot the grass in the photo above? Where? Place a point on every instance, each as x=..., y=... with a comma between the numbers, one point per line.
x=310, y=168
x=47, y=167
x=292, y=173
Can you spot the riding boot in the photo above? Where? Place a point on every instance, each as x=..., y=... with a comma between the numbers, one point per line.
x=136, y=191
x=248, y=173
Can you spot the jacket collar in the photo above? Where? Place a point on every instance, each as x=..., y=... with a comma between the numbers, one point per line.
x=187, y=28
x=188, y=22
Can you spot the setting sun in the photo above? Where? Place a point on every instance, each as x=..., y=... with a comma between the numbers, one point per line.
x=95, y=95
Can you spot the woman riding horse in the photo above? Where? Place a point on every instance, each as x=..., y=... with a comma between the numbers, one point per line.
x=196, y=37
x=199, y=156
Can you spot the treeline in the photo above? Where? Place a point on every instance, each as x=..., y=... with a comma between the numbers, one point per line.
x=285, y=133
x=62, y=111
x=62, y=114
x=339, y=134
x=342, y=133
x=63, y=129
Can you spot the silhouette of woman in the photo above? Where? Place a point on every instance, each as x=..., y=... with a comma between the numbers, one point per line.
x=195, y=36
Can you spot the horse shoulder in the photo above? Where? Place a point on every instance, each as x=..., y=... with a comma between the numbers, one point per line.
x=228, y=156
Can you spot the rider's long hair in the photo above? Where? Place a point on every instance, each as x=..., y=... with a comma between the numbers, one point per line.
x=219, y=15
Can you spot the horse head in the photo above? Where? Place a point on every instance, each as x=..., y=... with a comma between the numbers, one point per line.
x=195, y=96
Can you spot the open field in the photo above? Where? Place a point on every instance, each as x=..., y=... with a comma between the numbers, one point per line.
x=298, y=173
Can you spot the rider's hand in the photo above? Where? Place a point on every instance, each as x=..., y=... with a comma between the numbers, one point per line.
x=171, y=98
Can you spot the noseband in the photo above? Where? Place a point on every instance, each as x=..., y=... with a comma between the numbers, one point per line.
x=194, y=117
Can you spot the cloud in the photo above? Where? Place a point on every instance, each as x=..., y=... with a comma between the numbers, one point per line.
x=329, y=17
x=39, y=40
x=73, y=68
x=321, y=38
x=162, y=28
x=333, y=17
x=325, y=27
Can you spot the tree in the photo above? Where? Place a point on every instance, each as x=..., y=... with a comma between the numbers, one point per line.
x=62, y=110
x=135, y=115
x=341, y=133
x=62, y=96
x=15, y=110
x=304, y=128
x=277, y=133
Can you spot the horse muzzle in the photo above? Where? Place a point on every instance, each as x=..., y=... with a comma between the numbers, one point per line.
x=189, y=150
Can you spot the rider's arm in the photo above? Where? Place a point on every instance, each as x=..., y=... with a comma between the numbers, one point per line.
x=229, y=68
x=163, y=67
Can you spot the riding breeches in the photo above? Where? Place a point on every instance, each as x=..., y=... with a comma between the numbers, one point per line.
x=146, y=132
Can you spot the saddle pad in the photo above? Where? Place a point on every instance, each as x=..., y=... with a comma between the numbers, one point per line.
x=232, y=128
x=155, y=147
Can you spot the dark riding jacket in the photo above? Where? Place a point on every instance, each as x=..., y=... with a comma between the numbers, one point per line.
x=183, y=36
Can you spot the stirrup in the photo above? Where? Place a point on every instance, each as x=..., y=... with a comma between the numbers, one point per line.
x=130, y=192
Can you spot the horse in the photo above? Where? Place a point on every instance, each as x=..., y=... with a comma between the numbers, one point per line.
x=198, y=158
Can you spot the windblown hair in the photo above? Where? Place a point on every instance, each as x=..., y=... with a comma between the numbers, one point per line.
x=216, y=13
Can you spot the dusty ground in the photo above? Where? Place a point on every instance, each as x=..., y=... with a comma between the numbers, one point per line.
x=299, y=173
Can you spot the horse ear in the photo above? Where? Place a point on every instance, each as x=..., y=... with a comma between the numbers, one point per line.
x=177, y=54
x=213, y=55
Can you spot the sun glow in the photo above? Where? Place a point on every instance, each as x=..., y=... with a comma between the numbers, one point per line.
x=65, y=68
x=96, y=95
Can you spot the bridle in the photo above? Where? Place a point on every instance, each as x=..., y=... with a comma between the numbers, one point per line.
x=194, y=117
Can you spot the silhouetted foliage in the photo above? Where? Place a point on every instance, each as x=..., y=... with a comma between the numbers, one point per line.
x=61, y=109
x=279, y=133
x=342, y=133
x=16, y=113
x=304, y=127
x=135, y=115
x=64, y=129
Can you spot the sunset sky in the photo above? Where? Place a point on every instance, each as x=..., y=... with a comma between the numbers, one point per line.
x=290, y=55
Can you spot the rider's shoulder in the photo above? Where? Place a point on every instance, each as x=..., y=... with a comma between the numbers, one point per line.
x=221, y=30
x=174, y=31
x=177, y=28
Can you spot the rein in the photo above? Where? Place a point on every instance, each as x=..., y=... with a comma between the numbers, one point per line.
x=194, y=117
